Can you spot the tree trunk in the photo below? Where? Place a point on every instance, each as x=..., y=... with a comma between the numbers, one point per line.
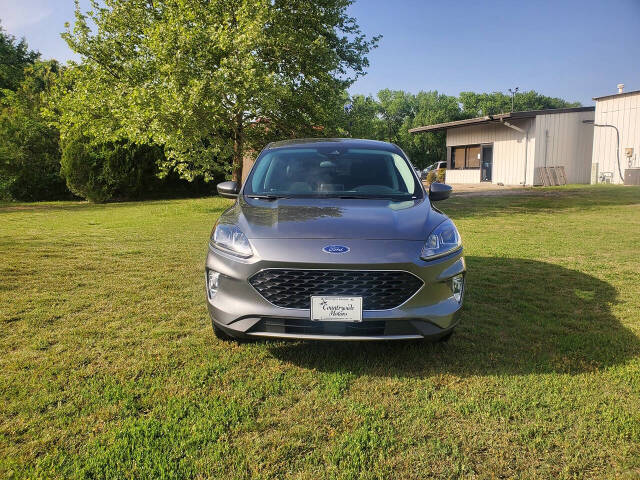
x=238, y=151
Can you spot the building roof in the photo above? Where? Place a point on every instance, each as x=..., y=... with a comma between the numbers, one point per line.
x=623, y=94
x=497, y=118
x=325, y=142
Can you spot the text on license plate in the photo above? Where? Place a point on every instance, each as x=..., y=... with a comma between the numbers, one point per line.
x=336, y=309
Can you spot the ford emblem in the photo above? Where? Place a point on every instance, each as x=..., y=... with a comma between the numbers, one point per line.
x=335, y=249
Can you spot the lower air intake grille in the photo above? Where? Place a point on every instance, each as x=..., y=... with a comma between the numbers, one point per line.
x=379, y=289
x=307, y=327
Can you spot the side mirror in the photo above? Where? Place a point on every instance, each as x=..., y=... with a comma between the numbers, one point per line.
x=439, y=191
x=228, y=189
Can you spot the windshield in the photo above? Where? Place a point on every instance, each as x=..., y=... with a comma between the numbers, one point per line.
x=332, y=172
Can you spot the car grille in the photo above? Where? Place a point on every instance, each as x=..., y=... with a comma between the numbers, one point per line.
x=379, y=289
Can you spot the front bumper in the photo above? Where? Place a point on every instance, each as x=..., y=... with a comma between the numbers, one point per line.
x=238, y=309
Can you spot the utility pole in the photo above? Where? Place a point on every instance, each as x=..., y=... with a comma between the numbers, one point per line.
x=513, y=97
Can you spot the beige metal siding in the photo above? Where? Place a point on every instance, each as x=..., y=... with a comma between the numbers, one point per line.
x=624, y=113
x=564, y=140
x=508, y=149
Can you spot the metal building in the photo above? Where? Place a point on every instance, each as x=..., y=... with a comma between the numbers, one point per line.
x=510, y=148
x=616, y=138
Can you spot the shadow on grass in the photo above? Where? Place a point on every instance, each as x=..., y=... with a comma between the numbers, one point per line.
x=520, y=316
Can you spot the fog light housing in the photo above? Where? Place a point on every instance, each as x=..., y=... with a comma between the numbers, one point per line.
x=213, y=278
x=457, y=287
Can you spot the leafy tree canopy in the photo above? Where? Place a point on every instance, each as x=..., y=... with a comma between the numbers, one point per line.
x=29, y=150
x=210, y=79
x=479, y=104
x=14, y=57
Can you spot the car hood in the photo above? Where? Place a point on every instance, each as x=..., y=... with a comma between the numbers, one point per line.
x=333, y=218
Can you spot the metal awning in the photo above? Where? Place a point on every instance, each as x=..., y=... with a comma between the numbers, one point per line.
x=496, y=118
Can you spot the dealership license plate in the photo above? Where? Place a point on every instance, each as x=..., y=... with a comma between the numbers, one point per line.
x=336, y=309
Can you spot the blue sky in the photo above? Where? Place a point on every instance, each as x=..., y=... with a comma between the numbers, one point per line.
x=575, y=49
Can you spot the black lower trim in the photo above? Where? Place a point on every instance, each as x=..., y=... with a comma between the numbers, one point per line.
x=357, y=329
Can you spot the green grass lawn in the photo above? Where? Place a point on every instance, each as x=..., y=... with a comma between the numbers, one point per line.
x=109, y=367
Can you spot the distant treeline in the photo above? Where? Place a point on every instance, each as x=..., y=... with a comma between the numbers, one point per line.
x=60, y=139
x=391, y=114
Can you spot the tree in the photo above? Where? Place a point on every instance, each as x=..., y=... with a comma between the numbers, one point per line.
x=479, y=104
x=396, y=106
x=430, y=107
x=14, y=57
x=29, y=150
x=361, y=119
x=211, y=79
x=98, y=162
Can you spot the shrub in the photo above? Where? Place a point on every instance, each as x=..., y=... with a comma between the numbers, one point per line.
x=81, y=167
x=99, y=172
x=441, y=175
x=431, y=177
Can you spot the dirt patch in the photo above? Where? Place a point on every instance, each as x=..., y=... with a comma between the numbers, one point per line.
x=493, y=190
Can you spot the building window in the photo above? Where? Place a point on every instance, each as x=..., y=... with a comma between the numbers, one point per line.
x=457, y=157
x=473, y=156
x=467, y=156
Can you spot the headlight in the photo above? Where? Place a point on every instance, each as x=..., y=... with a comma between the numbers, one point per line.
x=443, y=240
x=231, y=239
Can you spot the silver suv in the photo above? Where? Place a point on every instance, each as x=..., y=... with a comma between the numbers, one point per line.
x=334, y=239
